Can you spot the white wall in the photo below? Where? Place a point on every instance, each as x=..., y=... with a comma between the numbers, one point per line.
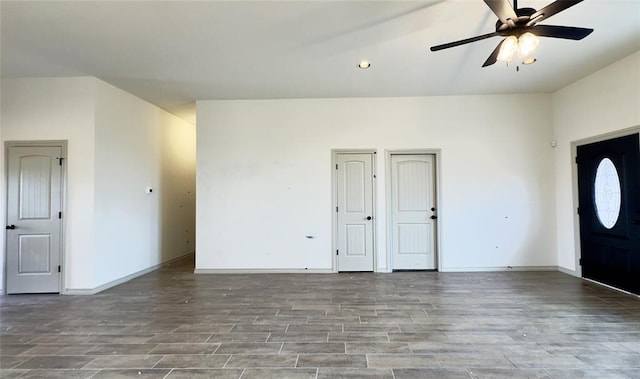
x=138, y=145
x=60, y=109
x=603, y=102
x=264, y=177
x=117, y=146
x=177, y=187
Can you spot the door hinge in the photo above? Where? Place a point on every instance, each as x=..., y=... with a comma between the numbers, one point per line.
x=336, y=166
x=59, y=214
x=336, y=209
x=580, y=261
x=59, y=268
x=576, y=159
x=337, y=252
x=578, y=210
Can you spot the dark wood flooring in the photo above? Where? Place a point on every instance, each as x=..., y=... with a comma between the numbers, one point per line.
x=174, y=324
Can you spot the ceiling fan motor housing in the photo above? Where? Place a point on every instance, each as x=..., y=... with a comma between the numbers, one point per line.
x=516, y=27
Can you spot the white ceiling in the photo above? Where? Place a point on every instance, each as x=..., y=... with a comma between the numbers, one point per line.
x=172, y=53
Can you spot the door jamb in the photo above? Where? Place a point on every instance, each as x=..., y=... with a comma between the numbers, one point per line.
x=437, y=154
x=334, y=203
x=574, y=181
x=63, y=202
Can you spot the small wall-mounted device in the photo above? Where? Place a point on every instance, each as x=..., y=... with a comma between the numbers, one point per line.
x=148, y=190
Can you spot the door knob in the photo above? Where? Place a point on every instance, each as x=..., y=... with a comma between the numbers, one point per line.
x=434, y=217
x=368, y=217
x=10, y=227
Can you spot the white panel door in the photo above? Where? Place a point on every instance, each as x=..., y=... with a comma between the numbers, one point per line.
x=413, y=206
x=355, y=212
x=33, y=219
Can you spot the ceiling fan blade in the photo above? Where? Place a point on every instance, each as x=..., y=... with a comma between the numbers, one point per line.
x=553, y=8
x=502, y=9
x=464, y=41
x=565, y=32
x=493, y=58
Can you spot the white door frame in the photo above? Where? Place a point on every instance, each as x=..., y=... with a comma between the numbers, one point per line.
x=334, y=203
x=574, y=181
x=62, y=144
x=438, y=199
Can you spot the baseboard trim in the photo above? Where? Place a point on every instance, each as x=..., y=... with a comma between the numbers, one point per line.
x=124, y=279
x=263, y=271
x=330, y=271
x=499, y=268
x=568, y=272
x=79, y=291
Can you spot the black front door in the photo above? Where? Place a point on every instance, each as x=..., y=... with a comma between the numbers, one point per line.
x=609, y=201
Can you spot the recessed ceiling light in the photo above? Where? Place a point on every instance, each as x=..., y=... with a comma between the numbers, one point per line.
x=530, y=61
x=364, y=65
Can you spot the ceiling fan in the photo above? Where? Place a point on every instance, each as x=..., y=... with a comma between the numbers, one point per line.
x=520, y=28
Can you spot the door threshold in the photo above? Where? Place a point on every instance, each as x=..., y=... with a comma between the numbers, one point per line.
x=611, y=287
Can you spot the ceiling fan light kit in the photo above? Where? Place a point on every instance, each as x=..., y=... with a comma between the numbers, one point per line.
x=520, y=29
x=508, y=49
x=523, y=46
x=527, y=44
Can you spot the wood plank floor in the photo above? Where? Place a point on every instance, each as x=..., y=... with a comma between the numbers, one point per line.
x=174, y=324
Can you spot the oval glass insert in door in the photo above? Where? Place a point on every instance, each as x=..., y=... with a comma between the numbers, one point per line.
x=607, y=194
